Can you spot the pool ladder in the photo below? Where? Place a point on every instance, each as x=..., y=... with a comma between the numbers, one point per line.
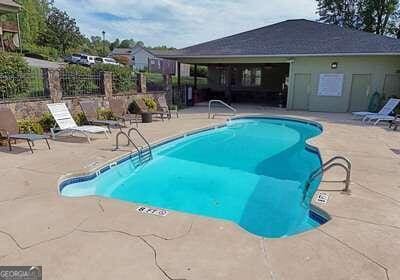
x=212, y=115
x=333, y=162
x=144, y=153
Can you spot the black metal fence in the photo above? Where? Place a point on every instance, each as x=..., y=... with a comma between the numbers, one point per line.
x=24, y=86
x=154, y=82
x=123, y=84
x=79, y=84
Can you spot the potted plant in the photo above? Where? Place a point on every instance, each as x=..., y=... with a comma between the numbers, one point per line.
x=151, y=105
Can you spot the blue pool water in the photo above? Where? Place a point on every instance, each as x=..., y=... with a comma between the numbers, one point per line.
x=251, y=171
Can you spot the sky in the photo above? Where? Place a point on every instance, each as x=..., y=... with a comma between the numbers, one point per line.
x=180, y=23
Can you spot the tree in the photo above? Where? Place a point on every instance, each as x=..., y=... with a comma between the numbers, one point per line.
x=114, y=44
x=127, y=43
x=380, y=16
x=340, y=12
x=375, y=16
x=32, y=19
x=61, y=31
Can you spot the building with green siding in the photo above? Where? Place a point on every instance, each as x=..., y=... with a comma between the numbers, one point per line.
x=300, y=65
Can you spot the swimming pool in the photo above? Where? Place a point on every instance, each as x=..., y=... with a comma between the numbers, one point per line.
x=252, y=171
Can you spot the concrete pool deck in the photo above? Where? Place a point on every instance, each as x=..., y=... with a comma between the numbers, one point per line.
x=98, y=238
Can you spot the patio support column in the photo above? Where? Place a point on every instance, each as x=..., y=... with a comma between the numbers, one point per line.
x=195, y=76
x=228, y=94
x=178, y=69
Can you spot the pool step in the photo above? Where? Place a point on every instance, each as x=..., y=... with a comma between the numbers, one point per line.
x=145, y=155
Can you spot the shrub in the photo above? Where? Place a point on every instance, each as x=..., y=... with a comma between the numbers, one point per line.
x=122, y=76
x=80, y=118
x=14, y=70
x=30, y=126
x=105, y=114
x=47, y=121
x=150, y=103
x=132, y=109
x=40, y=52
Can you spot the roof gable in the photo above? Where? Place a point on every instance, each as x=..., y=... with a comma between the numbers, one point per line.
x=294, y=37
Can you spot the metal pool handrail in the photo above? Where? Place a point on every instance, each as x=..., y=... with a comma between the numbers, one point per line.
x=129, y=141
x=141, y=136
x=328, y=165
x=221, y=102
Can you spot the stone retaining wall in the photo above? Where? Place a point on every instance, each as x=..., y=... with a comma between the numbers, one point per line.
x=36, y=108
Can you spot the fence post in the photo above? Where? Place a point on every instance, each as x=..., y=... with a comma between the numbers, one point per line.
x=106, y=84
x=167, y=82
x=141, y=83
x=168, y=88
x=52, y=82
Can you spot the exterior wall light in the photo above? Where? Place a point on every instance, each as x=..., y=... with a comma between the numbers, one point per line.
x=334, y=65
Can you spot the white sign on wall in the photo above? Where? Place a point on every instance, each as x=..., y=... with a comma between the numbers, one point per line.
x=330, y=84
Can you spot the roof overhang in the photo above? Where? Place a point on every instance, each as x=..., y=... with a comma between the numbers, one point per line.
x=9, y=6
x=275, y=55
x=251, y=59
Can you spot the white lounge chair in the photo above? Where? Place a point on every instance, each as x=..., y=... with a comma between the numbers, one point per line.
x=376, y=118
x=390, y=105
x=66, y=124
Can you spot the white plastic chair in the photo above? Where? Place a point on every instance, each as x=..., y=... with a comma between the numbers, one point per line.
x=66, y=124
x=386, y=110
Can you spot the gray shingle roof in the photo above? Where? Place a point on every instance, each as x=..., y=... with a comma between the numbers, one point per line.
x=294, y=37
x=121, y=51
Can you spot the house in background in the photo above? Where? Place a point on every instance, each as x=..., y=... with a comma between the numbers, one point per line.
x=139, y=57
x=300, y=65
x=9, y=30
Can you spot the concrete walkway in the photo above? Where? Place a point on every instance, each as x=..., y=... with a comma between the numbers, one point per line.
x=98, y=238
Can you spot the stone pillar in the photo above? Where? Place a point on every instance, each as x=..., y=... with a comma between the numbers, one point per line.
x=141, y=83
x=106, y=84
x=52, y=82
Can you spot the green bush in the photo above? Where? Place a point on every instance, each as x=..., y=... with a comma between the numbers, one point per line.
x=122, y=76
x=30, y=126
x=150, y=103
x=105, y=114
x=40, y=52
x=80, y=118
x=132, y=109
x=47, y=121
x=15, y=75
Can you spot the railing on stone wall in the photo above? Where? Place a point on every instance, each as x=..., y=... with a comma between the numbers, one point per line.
x=154, y=82
x=123, y=84
x=78, y=84
x=31, y=85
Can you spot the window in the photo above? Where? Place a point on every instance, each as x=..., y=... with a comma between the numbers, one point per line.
x=251, y=77
x=221, y=76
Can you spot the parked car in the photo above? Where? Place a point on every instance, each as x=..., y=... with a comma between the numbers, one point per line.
x=73, y=58
x=106, y=60
x=87, y=60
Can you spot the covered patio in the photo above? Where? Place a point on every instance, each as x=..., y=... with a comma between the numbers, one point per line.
x=263, y=83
